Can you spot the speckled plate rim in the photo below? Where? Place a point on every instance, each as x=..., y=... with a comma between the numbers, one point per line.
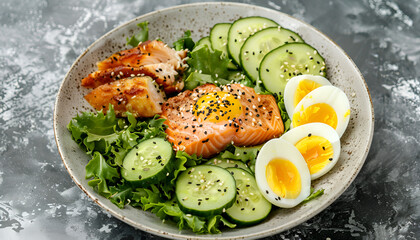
x=268, y=232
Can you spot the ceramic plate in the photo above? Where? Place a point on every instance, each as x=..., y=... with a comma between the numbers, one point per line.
x=170, y=24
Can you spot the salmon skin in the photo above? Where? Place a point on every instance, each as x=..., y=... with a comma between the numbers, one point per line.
x=152, y=58
x=206, y=120
x=139, y=96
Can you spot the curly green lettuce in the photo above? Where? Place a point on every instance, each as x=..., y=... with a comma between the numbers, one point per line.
x=107, y=139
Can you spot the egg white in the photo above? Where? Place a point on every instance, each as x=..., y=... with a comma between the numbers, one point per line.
x=332, y=96
x=316, y=129
x=279, y=148
x=291, y=86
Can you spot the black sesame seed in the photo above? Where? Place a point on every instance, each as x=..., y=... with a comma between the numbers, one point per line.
x=330, y=159
x=310, y=134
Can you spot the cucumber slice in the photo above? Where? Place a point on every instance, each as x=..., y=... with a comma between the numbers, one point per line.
x=241, y=29
x=287, y=61
x=203, y=41
x=205, y=190
x=218, y=39
x=262, y=42
x=228, y=163
x=250, y=206
x=149, y=162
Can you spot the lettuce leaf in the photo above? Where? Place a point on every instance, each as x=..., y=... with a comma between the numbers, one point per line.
x=170, y=210
x=185, y=42
x=141, y=36
x=314, y=194
x=214, y=223
x=100, y=171
x=247, y=155
x=94, y=131
x=283, y=112
x=206, y=61
x=121, y=194
x=196, y=79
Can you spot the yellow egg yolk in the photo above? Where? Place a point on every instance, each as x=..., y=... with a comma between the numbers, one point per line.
x=217, y=107
x=319, y=112
x=283, y=178
x=317, y=151
x=347, y=113
x=304, y=87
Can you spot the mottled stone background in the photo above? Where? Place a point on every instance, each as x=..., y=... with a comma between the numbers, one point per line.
x=40, y=39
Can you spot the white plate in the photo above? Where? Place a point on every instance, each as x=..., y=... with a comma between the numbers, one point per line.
x=170, y=24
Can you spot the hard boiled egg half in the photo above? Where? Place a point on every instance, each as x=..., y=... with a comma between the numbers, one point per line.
x=326, y=104
x=298, y=87
x=282, y=174
x=319, y=145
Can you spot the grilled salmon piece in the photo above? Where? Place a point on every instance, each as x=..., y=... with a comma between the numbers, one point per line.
x=189, y=129
x=260, y=121
x=102, y=77
x=138, y=95
x=206, y=120
x=151, y=58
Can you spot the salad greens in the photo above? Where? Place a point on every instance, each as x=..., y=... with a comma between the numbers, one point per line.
x=107, y=140
x=185, y=42
x=141, y=36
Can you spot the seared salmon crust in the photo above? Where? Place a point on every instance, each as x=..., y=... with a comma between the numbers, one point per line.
x=150, y=58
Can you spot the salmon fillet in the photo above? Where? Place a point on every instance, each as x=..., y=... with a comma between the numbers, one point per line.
x=151, y=58
x=261, y=120
x=206, y=120
x=185, y=130
x=138, y=95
